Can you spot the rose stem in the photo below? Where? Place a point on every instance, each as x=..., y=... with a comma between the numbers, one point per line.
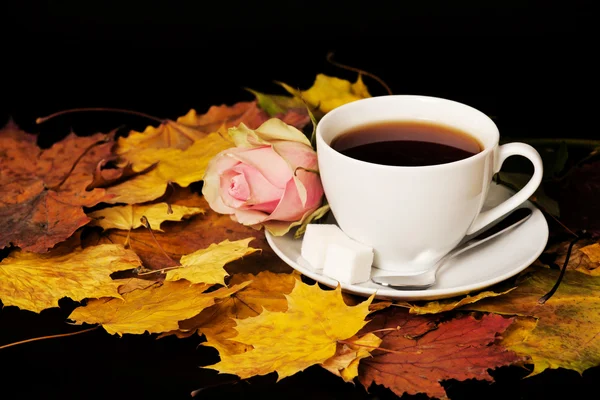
x=108, y=109
x=48, y=337
x=360, y=71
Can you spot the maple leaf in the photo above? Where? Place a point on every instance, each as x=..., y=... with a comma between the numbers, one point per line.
x=585, y=256
x=174, y=166
x=156, y=309
x=206, y=265
x=567, y=333
x=348, y=355
x=180, y=238
x=439, y=306
x=33, y=281
x=129, y=216
x=131, y=284
x=191, y=127
x=290, y=110
x=43, y=191
x=421, y=353
x=328, y=92
x=288, y=342
x=266, y=290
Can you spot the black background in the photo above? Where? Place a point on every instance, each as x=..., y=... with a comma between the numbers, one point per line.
x=527, y=64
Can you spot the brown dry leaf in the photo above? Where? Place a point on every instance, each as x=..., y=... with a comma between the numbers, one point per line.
x=42, y=196
x=288, y=342
x=129, y=216
x=435, y=307
x=584, y=258
x=266, y=291
x=182, y=133
x=329, y=92
x=567, y=334
x=421, y=352
x=105, y=177
x=348, y=355
x=130, y=284
x=174, y=166
x=156, y=309
x=206, y=265
x=34, y=282
x=197, y=232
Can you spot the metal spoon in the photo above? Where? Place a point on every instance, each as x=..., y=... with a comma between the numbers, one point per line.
x=425, y=279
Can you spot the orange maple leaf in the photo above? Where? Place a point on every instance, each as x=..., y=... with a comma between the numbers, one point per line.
x=43, y=191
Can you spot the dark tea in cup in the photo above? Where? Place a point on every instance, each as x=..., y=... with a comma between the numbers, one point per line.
x=407, y=143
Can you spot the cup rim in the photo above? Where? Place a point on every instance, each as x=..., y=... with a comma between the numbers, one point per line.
x=483, y=153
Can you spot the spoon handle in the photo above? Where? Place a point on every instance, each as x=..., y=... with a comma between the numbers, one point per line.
x=512, y=220
x=423, y=280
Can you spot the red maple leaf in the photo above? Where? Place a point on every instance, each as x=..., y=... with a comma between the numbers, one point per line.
x=420, y=353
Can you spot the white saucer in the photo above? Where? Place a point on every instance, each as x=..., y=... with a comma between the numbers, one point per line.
x=485, y=265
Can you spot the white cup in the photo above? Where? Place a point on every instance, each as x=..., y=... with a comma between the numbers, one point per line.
x=413, y=216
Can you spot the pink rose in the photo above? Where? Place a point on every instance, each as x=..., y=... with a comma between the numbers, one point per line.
x=269, y=179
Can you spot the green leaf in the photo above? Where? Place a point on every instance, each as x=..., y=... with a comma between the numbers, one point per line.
x=275, y=104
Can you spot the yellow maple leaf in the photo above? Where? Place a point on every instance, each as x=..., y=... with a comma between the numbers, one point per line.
x=348, y=355
x=130, y=284
x=206, y=265
x=288, y=342
x=155, y=309
x=174, y=166
x=567, y=333
x=439, y=306
x=182, y=133
x=329, y=92
x=592, y=251
x=266, y=290
x=34, y=282
x=129, y=216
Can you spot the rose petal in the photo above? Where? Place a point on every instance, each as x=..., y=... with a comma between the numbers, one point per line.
x=314, y=188
x=238, y=187
x=270, y=165
x=290, y=207
x=212, y=181
x=244, y=137
x=276, y=129
x=297, y=154
x=261, y=191
x=225, y=191
x=266, y=207
x=250, y=217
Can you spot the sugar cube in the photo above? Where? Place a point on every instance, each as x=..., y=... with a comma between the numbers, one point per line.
x=348, y=261
x=315, y=241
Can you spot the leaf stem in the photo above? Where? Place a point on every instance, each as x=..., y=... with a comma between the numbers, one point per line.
x=547, y=296
x=48, y=337
x=360, y=71
x=154, y=271
x=146, y=224
x=90, y=147
x=107, y=109
x=376, y=348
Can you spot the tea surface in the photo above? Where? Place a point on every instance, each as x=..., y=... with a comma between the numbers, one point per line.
x=406, y=143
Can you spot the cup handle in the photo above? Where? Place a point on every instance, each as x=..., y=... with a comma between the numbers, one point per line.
x=505, y=151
